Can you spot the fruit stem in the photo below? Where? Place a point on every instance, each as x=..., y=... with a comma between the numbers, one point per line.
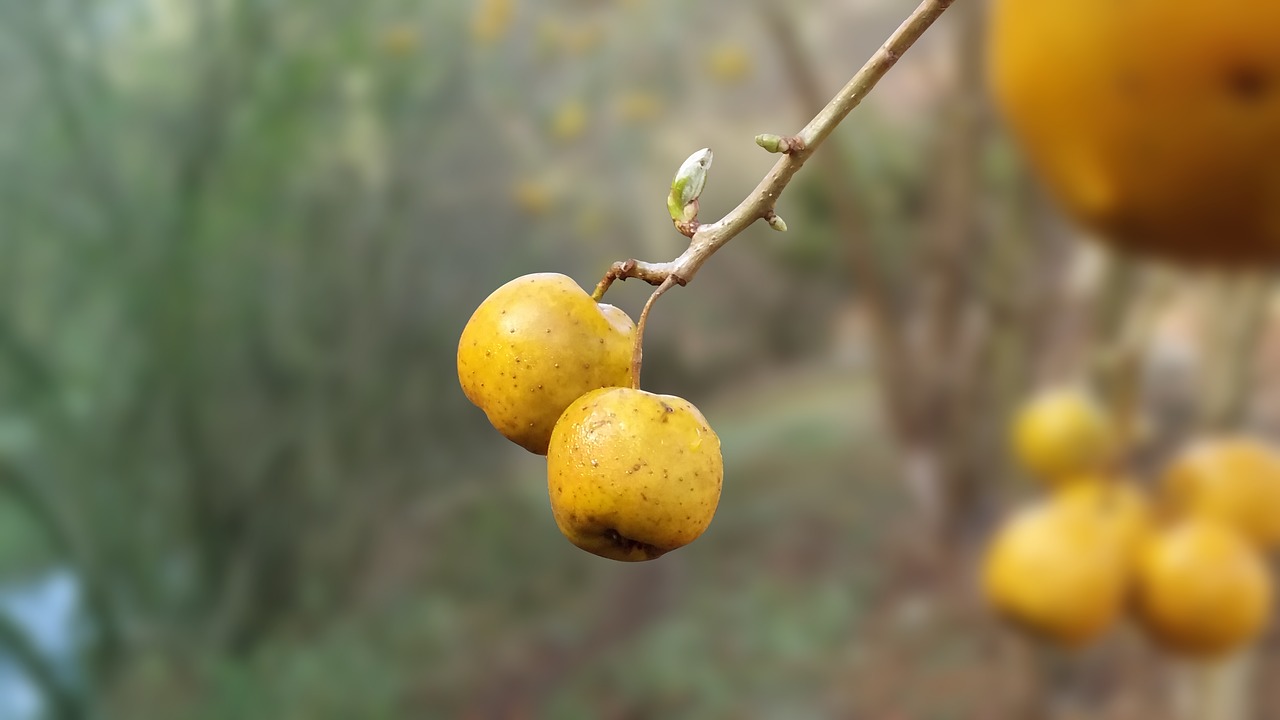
x=637, y=353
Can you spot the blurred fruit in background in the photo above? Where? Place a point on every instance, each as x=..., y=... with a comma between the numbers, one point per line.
x=1202, y=590
x=1235, y=481
x=1062, y=434
x=1155, y=124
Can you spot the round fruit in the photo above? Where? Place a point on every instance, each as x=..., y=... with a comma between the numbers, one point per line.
x=1202, y=589
x=534, y=346
x=1062, y=434
x=633, y=475
x=1059, y=571
x=1156, y=123
x=1233, y=480
x=1117, y=504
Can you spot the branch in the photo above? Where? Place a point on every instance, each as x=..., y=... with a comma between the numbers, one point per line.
x=707, y=239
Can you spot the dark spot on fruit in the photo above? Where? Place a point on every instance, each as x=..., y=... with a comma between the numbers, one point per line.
x=625, y=543
x=636, y=467
x=667, y=407
x=1248, y=83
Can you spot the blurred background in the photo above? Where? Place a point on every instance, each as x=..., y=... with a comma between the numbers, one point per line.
x=239, y=240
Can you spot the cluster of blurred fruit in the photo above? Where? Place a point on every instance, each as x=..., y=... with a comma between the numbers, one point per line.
x=1186, y=561
x=631, y=475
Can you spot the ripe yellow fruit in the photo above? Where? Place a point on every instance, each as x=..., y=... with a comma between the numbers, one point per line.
x=1062, y=434
x=633, y=475
x=1156, y=123
x=534, y=346
x=1060, y=570
x=1118, y=504
x=1202, y=589
x=1233, y=480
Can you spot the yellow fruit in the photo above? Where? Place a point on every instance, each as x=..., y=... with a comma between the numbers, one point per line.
x=1202, y=589
x=534, y=346
x=1233, y=480
x=633, y=475
x=1064, y=433
x=1118, y=504
x=1059, y=570
x=1156, y=123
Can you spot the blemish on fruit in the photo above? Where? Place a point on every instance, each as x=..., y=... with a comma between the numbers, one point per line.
x=1248, y=83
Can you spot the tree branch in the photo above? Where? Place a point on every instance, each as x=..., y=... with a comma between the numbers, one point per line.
x=760, y=203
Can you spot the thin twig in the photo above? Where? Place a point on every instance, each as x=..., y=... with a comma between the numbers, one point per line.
x=637, y=352
x=710, y=238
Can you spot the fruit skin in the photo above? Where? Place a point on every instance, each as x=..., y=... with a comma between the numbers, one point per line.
x=1202, y=589
x=1062, y=434
x=1234, y=480
x=1117, y=503
x=1060, y=570
x=533, y=346
x=1155, y=123
x=633, y=475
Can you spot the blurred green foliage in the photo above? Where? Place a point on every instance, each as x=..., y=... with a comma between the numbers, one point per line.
x=238, y=241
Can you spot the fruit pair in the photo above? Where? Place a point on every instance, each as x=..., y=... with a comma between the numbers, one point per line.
x=631, y=475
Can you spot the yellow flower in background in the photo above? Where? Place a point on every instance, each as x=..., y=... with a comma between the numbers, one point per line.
x=533, y=197
x=581, y=39
x=555, y=37
x=638, y=106
x=569, y=120
x=491, y=21
x=729, y=63
x=400, y=40
x=591, y=221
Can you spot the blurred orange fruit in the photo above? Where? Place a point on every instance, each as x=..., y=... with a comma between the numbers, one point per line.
x=1202, y=589
x=1156, y=123
x=1060, y=570
x=1233, y=480
x=1062, y=434
x=1117, y=503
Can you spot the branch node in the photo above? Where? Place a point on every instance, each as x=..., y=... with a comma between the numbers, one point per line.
x=786, y=144
x=688, y=228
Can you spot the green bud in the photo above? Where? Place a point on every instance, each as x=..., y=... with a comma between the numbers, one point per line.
x=776, y=222
x=772, y=143
x=690, y=179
